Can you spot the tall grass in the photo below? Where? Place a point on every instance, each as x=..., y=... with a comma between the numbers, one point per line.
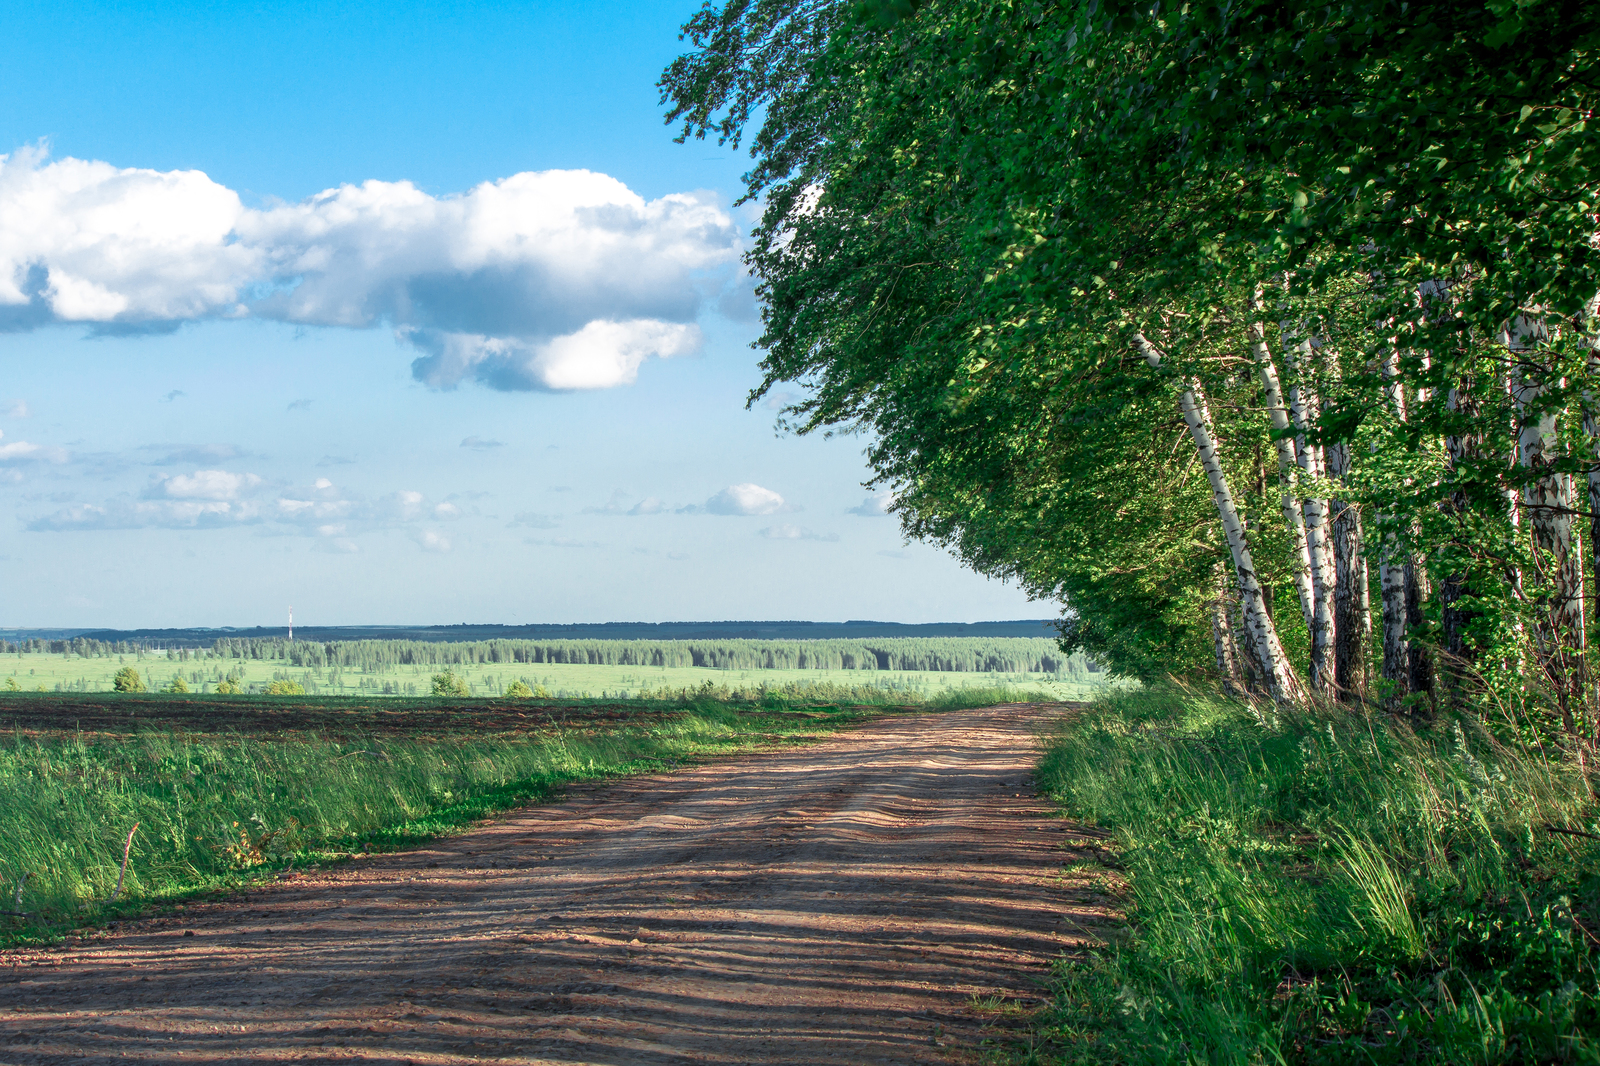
x=210, y=808
x=1316, y=887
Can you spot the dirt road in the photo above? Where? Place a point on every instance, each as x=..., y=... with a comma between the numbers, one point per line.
x=848, y=901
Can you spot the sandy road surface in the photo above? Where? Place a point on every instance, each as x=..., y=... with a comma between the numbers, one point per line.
x=838, y=902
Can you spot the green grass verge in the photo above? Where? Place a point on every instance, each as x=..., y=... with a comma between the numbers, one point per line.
x=1326, y=889
x=220, y=809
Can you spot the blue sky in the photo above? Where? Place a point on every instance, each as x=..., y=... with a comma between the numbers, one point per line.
x=400, y=313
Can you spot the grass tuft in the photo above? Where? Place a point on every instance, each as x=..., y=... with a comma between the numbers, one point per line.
x=1322, y=887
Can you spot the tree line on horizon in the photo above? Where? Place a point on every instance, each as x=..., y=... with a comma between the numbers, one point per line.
x=1014, y=655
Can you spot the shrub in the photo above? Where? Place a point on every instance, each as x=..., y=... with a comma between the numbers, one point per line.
x=519, y=690
x=177, y=686
x=286, y=688
x=229, y=687
x=448, y=684
x=129, y=680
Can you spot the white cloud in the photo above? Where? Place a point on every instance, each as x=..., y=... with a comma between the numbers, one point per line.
x=649, y=505
x=21, y=451
x=126, y=513
x=214, y=499
x=788, y=532
x=552, y=280
x=430, y=541
x=874, y=506
x=15, y=409
x=202, y=485
x=746, y=499
x=534, y=520
x=178, y=454
x=481, y=443
x=601, y=355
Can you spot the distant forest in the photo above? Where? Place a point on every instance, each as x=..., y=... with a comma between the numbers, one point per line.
x=1015, y=655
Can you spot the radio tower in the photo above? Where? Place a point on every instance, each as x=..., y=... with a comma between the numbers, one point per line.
x=291, y=625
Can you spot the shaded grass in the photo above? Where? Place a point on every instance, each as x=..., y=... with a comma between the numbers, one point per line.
x=217, y=809
x=1316, y=887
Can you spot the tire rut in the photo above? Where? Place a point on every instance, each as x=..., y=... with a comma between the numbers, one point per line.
x=867, y=898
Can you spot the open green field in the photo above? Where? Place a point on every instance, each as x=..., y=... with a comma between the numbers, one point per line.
x=71, y=672
x=224, y=788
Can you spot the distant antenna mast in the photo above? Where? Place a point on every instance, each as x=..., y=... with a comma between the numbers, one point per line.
x=291, y=625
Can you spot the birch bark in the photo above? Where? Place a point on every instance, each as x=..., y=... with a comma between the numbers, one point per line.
x=1302, y=402
x=1222, y=631
x=1559, y=636
x=1351, y=604
x=1272, y=392
x=1280, y=680
x=1392, y=572
x=1591, y=432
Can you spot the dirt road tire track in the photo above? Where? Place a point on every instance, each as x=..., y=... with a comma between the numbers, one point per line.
x=838, y=902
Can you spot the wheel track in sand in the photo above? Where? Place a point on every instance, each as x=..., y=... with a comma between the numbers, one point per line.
x=843, y=901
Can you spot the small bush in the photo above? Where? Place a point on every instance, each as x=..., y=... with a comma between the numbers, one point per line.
x=176, y=687
x=128, y=679
x=229, y=687
x=286, y=688
x=519, y=690
x=448, y=684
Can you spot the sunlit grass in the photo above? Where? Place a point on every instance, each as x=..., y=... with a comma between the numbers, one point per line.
x=213, y=809
x=1325, y=887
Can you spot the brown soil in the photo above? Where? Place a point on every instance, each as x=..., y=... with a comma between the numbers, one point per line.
x=287, y=716
x=889, y=895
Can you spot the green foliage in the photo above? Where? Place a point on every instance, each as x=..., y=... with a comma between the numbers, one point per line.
x=285, y=688
x=229, y=687
x=448, y=684
x=971, y=205
x=177, y=686
x=128, y=679
x=518, y=690
x=1313, y=888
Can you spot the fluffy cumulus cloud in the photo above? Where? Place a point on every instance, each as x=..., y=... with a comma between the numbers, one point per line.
x=746, y=499
x=20, y=452
x=221, y=499
x=552, y=280
x=874, y=506
x=789, y=532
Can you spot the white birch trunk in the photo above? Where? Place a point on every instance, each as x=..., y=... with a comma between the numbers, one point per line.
x=1222, y=631
x=1548, y=498
x=1352, y=622
x=1272, y=391
x=1392, y=573
x=1591, y=432
x=1259, y=631
x=1302, y=401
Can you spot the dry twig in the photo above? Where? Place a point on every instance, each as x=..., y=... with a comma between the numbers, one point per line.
x=126, y=846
